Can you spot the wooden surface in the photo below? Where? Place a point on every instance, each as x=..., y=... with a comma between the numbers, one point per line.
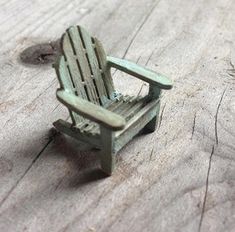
x=180, y=178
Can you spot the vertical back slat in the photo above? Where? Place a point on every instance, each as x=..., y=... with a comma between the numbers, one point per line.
x=69, y=54
x=106, y=75
x=83, y=65
x=94, y=65
x=64, y=75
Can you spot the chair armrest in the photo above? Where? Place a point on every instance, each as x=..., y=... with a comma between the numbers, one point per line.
x=140, y=72
x=91, y=111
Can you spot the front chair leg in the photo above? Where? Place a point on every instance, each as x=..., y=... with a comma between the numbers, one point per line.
x=107, y=154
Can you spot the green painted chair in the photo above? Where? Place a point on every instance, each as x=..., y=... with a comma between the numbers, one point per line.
x=100, y=116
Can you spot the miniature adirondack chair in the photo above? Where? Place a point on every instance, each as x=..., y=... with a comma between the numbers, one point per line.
x=100, y=116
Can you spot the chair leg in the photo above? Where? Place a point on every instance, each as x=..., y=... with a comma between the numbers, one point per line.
x=107, y=154
x=151, y=126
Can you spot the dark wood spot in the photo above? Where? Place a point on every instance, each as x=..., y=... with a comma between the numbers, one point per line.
x=41, y=53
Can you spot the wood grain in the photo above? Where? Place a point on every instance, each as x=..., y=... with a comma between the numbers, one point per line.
x=181, y=178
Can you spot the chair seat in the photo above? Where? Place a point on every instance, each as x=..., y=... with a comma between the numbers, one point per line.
x=126, y=106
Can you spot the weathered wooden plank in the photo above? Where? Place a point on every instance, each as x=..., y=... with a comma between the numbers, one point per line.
x=161, y=181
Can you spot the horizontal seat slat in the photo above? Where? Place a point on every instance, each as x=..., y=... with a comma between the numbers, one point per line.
x=127, y=109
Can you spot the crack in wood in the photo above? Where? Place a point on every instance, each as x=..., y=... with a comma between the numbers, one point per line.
x=151, y=154
x=161, y=116
x=136, y=33
x=216, y=117
x=143, y=84
x=150, y=57
x=183, y=102
x=231, y=72
x=232, y=65
x=137, y=61
x=56, y=107
x=51, y=138
x=140, y=27
x=194, y=123
x=206, y=191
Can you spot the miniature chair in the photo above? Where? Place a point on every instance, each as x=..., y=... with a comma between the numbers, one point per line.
x=100, y=116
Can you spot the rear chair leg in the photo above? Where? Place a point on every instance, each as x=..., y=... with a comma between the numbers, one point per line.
x=107, y=154
x=152, y=124
x=154, y=93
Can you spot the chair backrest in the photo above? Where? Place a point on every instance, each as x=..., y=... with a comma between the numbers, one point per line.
x=82, y=68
